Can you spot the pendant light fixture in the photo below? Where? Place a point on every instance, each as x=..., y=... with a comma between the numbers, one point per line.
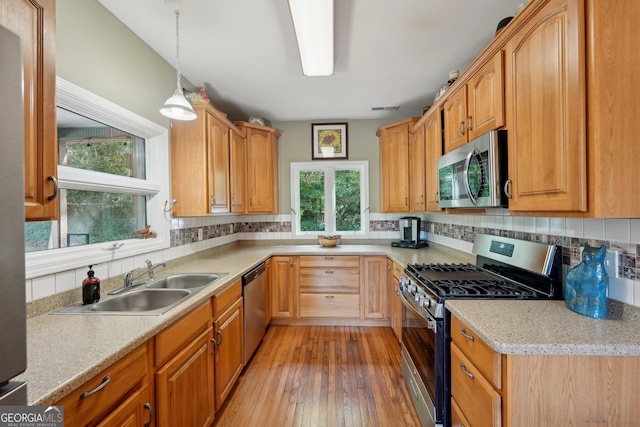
x=177, y=107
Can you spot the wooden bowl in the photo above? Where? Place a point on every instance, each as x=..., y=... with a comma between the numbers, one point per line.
x=329, y=241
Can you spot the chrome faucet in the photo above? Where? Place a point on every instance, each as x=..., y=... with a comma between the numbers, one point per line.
x=129, y=277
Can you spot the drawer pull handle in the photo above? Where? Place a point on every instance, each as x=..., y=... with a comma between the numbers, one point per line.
x=464, y=333
x=148, y=408
x=328, y=272
x=104, y=383
x=328, y=257
x=463, y=368
x=329, y=296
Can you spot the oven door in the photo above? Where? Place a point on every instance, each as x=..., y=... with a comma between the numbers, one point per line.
x=423, y=347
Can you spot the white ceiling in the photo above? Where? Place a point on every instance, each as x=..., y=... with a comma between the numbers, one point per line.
x=387, y=52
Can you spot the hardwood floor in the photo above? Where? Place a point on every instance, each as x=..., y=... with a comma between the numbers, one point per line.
x=322, y=376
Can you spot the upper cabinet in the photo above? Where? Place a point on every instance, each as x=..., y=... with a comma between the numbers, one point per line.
x=545, y=96
x=417, y=157
x=477, y=106
x=262, y=168
x=200, y=163
x=34, y=22
x=433, y=149
x=394, y=165
x=238, y=178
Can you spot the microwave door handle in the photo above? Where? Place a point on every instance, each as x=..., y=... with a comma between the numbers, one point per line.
x=467, y=187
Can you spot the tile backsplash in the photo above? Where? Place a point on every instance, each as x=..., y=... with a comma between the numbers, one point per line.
x=457, y=231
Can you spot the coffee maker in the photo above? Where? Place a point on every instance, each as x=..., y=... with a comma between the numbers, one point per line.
x=409, y=228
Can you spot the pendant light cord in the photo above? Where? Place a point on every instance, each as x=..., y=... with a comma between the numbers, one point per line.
x=178, y=50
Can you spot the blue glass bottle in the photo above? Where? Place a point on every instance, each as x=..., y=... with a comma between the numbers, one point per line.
x=585, y=290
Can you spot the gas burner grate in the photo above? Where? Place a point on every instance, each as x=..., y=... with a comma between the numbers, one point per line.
x=444, y=268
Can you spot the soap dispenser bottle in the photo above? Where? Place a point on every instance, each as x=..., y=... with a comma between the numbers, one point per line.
x=90, y=288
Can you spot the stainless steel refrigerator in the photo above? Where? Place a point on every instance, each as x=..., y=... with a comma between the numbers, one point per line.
x=13, y=319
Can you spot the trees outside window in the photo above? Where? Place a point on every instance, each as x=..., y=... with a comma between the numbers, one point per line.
x=330, y=198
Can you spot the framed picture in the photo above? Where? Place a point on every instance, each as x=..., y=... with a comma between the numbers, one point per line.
x=329, y=141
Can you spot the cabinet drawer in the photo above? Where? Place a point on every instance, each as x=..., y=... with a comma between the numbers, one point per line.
x=329, y=305
x=475, y=397
x=224, y=300
x=117, y=382
x=176, y=336
x=484, y=358
x=397, y=271
x=330, y=261
x=329, y=280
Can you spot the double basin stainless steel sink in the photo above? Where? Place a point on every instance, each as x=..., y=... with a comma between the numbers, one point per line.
x=151, y=298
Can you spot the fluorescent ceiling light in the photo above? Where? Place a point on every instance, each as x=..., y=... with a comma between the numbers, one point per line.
x=313, y=24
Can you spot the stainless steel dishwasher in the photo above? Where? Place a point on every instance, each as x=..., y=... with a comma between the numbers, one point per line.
x=253, y=290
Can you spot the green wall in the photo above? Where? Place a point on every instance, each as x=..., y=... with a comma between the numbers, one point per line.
x=97, y=52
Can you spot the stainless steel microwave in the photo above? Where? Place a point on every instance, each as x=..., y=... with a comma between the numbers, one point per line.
x=473, y=175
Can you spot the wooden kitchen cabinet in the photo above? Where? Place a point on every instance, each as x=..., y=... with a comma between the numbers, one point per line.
x=35, y=22
x=329, y=286
x=283, y=287
x=417, y=168
x=431, y=123
x=545, y=97
x=394, y=165
x=477, y=107
x=200, y=162
x=118, y=393
x=395, y=304
x=476, y=377
x=184, y=375
x=238, y=169
x=501, y=390
x=262, y=168
x=229, y=344
x=373, y=287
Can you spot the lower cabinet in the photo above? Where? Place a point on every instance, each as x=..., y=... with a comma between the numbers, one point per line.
x=283, y=287
x=184, y=386
x=229, y=348
x=373, y=287
x=184, y=375
x=119, y=395
x=395, y=304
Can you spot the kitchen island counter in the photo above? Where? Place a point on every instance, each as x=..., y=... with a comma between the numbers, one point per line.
x=65, y=351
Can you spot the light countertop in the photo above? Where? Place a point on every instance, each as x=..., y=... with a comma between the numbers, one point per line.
x=64, y=351
x=549, y=327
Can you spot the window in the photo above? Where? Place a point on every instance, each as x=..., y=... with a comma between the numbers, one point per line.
x=112, y=177
x=330, y=198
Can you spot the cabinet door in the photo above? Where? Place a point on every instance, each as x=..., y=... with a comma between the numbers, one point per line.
x=433, y=143
x=238, y=171
x=184, y=386
x=485, y=103
x=34, y=21
x=455, y=120
x=133, y=412
x=394, y=169
x=417, y=198
x=218, y=161
x=229, y=351
x=373, y=289
x=283, y=288
x=546, y=111
x=262, y=171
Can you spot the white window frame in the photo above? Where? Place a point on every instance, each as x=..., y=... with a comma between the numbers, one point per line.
x=156, y=185
x=329, y=187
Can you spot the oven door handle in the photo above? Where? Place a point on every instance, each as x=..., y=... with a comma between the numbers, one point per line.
x=431, y=322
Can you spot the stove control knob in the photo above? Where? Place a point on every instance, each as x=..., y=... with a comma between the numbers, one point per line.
x=412, y=288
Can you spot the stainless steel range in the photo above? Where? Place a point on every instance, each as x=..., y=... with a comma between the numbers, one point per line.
x=504, y=268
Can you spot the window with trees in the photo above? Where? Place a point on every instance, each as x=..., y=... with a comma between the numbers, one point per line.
x=112, y=179
x=330, y=198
